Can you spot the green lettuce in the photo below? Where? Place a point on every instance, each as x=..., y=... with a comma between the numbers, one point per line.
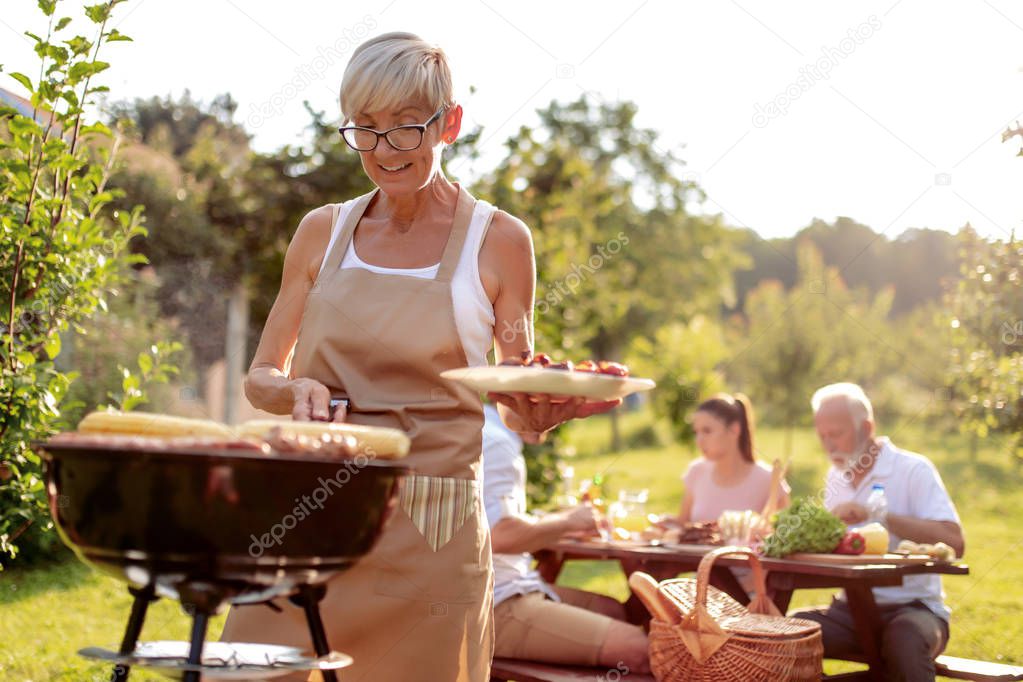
x=804, y=527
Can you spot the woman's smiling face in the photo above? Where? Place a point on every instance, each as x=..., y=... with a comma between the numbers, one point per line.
x=402, y=172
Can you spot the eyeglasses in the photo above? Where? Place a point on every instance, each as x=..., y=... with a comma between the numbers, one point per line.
x=403, y=138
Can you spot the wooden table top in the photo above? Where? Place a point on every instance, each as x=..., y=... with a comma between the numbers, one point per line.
x=686, y=555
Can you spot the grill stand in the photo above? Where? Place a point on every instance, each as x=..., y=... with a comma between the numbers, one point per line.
x=309, y=597
x=201, y=606
x=143, y=596
x=200, y=621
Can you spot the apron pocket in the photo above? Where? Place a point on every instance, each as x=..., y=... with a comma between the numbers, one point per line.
x=438, y=506
x=443, y=554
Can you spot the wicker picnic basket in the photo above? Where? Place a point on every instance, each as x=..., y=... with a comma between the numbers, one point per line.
x=700, y=634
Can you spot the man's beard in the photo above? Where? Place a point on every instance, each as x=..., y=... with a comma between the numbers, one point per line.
x=849, y=461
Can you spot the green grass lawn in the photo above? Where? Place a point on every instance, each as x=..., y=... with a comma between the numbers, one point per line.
x=47, y=614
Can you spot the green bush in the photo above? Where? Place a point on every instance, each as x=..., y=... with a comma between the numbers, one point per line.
x=118, y=363
x=61, y=252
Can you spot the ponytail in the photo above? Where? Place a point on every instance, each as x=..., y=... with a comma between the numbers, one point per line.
x=734, y=409
x=746, y=422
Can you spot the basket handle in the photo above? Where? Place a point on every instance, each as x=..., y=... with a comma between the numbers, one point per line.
x=656, y=602
x=707, y=563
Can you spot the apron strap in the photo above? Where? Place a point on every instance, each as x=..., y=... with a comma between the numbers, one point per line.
x=459, y=229
x=337, y=253
x=452, y=250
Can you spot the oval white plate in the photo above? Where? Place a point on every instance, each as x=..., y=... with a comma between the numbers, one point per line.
x=506, y=379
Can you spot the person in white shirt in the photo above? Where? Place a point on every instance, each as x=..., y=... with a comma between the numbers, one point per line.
x=534, y=620
x=914, y=616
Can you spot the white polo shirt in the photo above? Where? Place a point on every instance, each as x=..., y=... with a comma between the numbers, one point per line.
x=504, y=494
x=913, y=488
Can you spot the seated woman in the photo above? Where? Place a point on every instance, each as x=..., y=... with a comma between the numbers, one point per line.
x=727, y=476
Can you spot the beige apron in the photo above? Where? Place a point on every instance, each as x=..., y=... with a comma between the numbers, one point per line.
x=418, y=607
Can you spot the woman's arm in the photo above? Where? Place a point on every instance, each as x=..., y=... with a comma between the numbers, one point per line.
x=685, y=511
x=267, y=385
x=508, y=269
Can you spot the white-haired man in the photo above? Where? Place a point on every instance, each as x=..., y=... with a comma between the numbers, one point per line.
x=914, y=616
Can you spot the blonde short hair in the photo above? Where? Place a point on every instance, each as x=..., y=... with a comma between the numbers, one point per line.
x=392, y=69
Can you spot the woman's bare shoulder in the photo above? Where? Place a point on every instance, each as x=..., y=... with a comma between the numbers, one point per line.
x=508, y=241
x=510, y=230
x=309, y=243
x=697, y=467
x=315, y=226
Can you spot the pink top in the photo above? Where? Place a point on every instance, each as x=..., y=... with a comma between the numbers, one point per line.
x=710, y=499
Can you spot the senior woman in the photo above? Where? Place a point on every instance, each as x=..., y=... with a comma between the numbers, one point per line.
x=379, y=295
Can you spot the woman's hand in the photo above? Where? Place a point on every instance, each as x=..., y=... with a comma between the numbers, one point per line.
x=541, y=412
x=311, y=401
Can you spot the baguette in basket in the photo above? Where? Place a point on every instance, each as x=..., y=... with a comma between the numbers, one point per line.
x=701, y=634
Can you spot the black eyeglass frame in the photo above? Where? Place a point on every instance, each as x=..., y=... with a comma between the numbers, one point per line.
x=421, y=127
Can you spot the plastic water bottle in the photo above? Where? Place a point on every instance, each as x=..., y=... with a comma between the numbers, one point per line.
x=877, y=504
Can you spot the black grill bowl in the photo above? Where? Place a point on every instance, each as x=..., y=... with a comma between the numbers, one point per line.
x=245, y=526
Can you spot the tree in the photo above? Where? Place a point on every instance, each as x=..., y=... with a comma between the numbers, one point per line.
x=790, y=343
x=684, y=359
x=188, y=163
x=61, y=248
x=286, y=185
x=618, y=252
x=986, y=327
x=916, y=263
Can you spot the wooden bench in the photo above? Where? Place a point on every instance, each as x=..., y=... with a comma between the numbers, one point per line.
x=964, y=669
x=511, y=670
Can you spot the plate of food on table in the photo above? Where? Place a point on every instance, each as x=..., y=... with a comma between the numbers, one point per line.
x=591, y=379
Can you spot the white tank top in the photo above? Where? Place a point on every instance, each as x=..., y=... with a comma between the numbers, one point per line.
x=474, y=314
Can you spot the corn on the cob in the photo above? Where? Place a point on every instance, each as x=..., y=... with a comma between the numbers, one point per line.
x=375, y=441
x=147, y=424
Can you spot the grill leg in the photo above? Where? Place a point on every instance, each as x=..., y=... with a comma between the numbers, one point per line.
x=309, y=599
x=199, y=624
x=131, y=633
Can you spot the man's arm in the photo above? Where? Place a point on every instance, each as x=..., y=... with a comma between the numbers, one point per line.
x=929, y=499
x=934, y=517
x=518, y=534
x=908, y=527
x=930, y=532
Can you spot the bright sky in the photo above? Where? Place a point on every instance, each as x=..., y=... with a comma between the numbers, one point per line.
x=890, y=112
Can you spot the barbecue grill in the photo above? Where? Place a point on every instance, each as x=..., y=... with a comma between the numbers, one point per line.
x=214, y=527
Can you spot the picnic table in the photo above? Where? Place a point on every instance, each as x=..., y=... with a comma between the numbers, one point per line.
x=784, y=576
